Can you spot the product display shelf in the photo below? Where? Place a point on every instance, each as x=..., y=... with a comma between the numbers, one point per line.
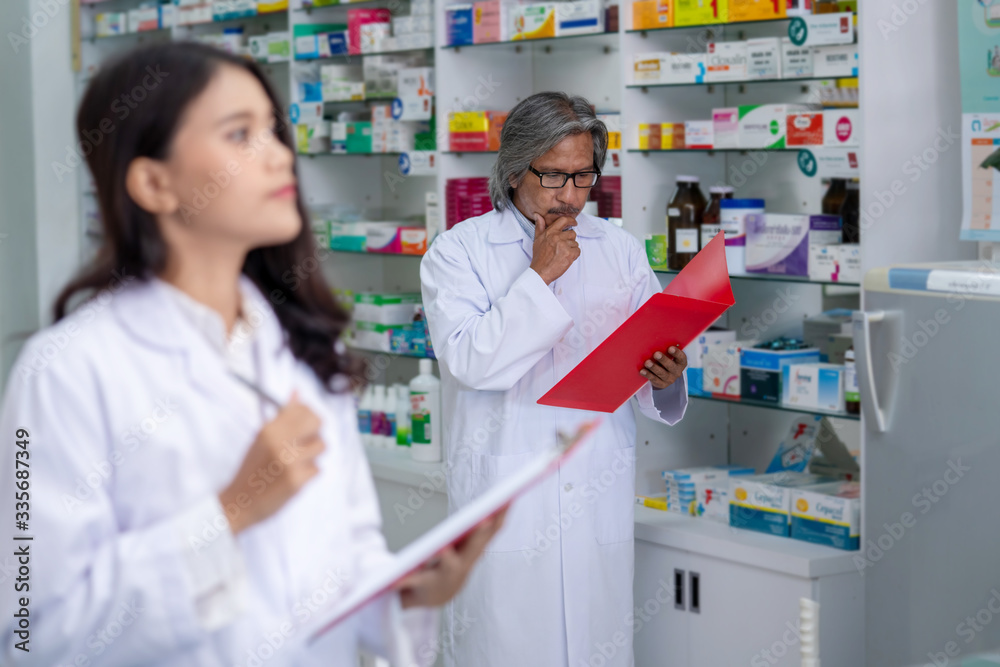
x=341, y=5
x=662, y=151
x=608, y=40
x=397, y=465
x=777, y=406
x=366, y=350
x=730, y=24
x=124, y=37
x=324, y=155
x=706, y=537
x=374, y=254
x=349, y=56
x=742, y=82
x=800, y=280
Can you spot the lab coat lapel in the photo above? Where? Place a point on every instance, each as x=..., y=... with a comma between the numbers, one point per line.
x=150, y=315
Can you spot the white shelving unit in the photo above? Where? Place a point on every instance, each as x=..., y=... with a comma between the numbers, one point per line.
x=749, y=583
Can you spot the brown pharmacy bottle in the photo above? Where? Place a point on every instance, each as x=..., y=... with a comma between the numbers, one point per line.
x=685, y=214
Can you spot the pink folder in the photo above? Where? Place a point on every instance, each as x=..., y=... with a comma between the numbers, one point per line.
x=692, y=301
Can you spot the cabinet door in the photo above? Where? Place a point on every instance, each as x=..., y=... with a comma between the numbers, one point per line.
x=742, y=615
x=660, y=623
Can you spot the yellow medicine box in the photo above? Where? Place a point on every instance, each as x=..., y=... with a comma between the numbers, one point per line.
x=700, y=12
x=757, y=10
x=468, y=121
x=652, y=14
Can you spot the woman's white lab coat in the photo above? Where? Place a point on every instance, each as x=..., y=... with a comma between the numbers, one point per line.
x=134, y=427
x=555, y=586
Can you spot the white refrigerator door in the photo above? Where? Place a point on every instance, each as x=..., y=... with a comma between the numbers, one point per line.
x=930, y=553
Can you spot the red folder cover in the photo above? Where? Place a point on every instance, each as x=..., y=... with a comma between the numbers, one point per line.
x=609, y=375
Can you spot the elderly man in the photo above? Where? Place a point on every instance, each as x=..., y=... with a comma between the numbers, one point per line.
x=514, y=300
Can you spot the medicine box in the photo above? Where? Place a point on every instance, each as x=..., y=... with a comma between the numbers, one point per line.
x=468, y=131
x=362, y=33
x=829, y=29
x=486, y=22
x=813, y=386
x=841, y=127
x=761, y=371
x=764, y=58
x=765, y=125
x=224, y=10
x=382, y=308
x=696, y=352
x=835, y=263
x=796, y=61
x=652, y=14
x=779, y=244
x=700, y=12
x=143, y=19
x=533, y=21
x=649, y=67
x=458, y=24
x=850, y=262
x=756, y=10
x=827, y=514
x=684, y=68
x=721, y=369
x=377, y=337
x=279, y=47
x=726, y=127
x=579, y=17
x=726, y=61
x=804, y=128
x=763, y=502
x=835, y=61
x=698, y=134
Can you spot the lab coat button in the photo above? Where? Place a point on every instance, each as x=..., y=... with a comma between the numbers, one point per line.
x=568, y=488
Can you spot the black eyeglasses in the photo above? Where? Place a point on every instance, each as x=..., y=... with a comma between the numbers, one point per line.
x=557, y=179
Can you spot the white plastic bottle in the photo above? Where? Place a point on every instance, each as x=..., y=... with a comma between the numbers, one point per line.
x=365, y=416
x=425, y=414
x=402, y=416
x=389, y=433
x=378, y=417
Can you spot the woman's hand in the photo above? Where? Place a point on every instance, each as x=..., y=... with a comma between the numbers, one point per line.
x=280, y=462
x=442, y=578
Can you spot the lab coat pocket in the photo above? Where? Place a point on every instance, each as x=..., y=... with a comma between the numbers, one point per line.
x=526, y=519
x=613, y=479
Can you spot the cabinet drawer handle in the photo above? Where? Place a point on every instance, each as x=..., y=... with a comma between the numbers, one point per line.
x=679, y=589
x=695, y=592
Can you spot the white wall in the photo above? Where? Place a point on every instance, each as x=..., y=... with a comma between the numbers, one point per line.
x=39, y=248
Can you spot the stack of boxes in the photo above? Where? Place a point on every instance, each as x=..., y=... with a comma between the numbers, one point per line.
x=701, y=491
x=475, y=131
x=608, y=195
x=498, y=21
x=465, y=198
x=376, y=316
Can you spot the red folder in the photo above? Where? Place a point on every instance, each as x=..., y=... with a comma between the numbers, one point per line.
x=692, y=301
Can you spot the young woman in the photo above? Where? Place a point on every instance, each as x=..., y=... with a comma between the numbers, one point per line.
x=196, y=486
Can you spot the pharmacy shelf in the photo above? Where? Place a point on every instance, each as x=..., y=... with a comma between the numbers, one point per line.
x=365, y=350
x=373, y=253
x=340, y=57
x=609, y=40
x=777, y=406
x=397, y=465
x=694, y=535
x=339, y=5
x=347, y=154
x=660, y=151
x=774, y=278
x=736, y=24
x=718, y=540
x=643, y=86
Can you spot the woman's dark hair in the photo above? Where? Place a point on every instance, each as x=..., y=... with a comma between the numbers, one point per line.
x=132, y=108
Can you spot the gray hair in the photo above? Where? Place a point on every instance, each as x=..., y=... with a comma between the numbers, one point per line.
x=532, y=129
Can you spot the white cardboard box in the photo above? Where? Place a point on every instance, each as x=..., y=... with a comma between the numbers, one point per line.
x=841, y=127
x=726, y=61
x=764, y=58
x=835, y=61
x=796, y=61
